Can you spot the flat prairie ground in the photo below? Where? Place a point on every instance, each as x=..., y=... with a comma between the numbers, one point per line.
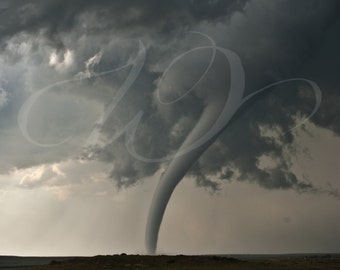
x=180, y=262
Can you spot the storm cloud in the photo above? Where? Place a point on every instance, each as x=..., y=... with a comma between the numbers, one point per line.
x=275, y=41
x=54, y=17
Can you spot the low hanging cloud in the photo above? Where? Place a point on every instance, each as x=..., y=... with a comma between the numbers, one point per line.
x=65, y=40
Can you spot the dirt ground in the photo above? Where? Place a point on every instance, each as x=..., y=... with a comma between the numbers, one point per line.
x=180, y=262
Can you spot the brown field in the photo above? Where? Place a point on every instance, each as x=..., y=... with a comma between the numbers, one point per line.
x=180, y=262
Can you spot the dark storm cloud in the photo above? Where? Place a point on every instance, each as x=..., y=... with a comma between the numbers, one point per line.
x=275, y=40
x=328, y=59
x=57, y=16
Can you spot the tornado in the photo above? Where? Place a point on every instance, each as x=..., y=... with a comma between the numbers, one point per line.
x=174, y=174
x=216, y=116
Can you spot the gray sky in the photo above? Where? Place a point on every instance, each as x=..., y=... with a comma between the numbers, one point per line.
x=257, y=188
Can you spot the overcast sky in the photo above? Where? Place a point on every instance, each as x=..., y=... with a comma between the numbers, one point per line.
x=79, y=78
